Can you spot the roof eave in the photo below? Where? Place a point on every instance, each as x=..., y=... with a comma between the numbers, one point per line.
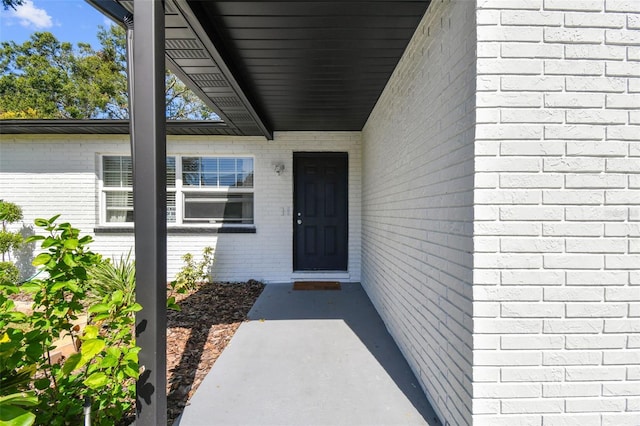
x=116, y=127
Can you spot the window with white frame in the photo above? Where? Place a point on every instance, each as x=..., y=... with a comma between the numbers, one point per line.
x=217, y=190
x=200, y=190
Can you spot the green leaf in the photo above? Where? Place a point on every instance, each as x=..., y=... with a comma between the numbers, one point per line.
x=101, y=317
x=66, y=226
x=60, y=311
x=136, y=307
x=90, y=332
x=68, y=260
x=17, y=317
x=171, y=304
x=58, y=286
x=91, y=347
x=99, y=308
x=57, y=275
x=96, y=380
x=8, y=288
x=30, y=287
x=42, y=384
x=41, y=259
x=48, y=242
x=53, y=219
x=34, y=238
x=25, y=399
x=116, y=297
x=108, y=361
x=131, y=370
x=85, y=240
x=71, y=244
x=113, y=351
x=80, y=272
x=34, y=351
x=74, y=362
x=73, y=286
x=132, y=354
x=41, y=222
x=35, y=334
x=15, y=416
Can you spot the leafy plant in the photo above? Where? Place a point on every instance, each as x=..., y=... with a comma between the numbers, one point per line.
x=12, y=411
x=106, y=366
x=110, y=276
x=44, y=77
x=193, y=274
x=9, y=273
x=113, y=275
x=9, y=213
x=9, y=241
x=16, y=372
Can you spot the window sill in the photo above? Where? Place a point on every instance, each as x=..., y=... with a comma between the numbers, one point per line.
x=173, y=230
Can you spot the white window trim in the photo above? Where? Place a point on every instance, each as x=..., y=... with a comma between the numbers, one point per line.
x=179, y=190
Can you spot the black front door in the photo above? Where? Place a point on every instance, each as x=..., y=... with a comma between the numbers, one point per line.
x=320, y=211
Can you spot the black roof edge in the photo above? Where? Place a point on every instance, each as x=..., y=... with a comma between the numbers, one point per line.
x=124, y=17
x=93, y=126
x=113, y=10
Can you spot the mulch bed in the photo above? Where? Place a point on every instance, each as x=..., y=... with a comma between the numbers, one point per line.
x=198, y=333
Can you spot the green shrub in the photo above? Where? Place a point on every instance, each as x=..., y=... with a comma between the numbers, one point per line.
x=10, y=212
x=9, y=241
x=105, y=368
x=193, y=274
x=16, y=371
x=109, y=276
x=9, y=273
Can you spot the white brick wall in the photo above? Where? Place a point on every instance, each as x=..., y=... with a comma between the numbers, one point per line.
x=500, y=206
x=47, y=175
x=555, y=233
x=417, y=205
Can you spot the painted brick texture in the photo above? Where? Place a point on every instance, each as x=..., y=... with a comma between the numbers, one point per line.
x=494, y=199
x=47, y=175
x=417, y=205
x=556, y=208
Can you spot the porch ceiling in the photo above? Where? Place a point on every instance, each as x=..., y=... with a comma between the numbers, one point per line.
x=287, y=65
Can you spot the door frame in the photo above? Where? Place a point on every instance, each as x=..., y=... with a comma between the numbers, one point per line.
x=320, y=154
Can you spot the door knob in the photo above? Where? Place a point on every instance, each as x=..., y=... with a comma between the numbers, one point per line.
x=299, y=221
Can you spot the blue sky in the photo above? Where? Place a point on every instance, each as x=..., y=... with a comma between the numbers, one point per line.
x=69, y=20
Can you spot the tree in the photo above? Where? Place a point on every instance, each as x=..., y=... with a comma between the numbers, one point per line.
x=182, y=103
x=9, y=241
x=46, y=78
x=11, y=3
x=33, y=74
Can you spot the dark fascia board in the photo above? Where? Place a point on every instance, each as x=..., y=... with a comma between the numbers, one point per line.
x=111, y=9
x=118, y=127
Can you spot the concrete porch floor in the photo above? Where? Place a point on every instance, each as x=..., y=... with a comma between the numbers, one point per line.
x=310, y=358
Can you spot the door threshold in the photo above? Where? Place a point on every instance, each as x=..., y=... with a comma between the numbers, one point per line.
x=316, y=285
x=320, y=276
x=329, y=275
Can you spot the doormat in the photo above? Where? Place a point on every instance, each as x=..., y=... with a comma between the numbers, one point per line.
x=316, y=285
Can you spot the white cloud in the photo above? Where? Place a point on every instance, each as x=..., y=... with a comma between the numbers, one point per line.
x=32, y=17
